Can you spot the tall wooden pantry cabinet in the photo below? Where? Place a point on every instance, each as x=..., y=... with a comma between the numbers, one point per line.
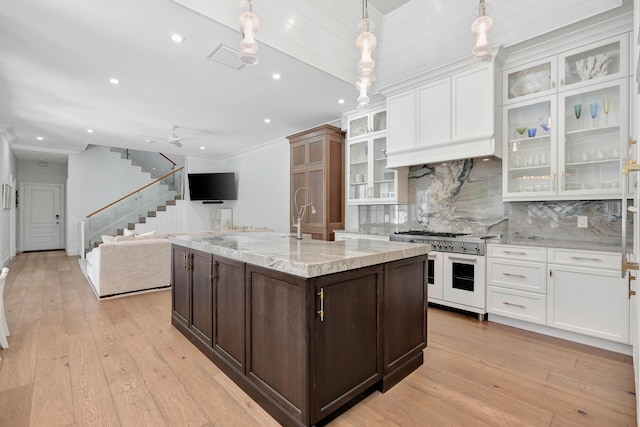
x=317, y=163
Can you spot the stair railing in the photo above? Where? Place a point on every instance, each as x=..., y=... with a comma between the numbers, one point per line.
x=132, y=207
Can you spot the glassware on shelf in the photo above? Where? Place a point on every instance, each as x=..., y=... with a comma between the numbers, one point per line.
x=577, y=109
x=593, y=109
x=606, y=106
x=545, y=123
x=521, y=130
x=531, y=132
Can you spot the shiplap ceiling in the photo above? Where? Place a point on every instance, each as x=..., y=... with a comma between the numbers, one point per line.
x=56, y=58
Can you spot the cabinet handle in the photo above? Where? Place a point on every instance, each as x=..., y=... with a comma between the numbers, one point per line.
x=515, y=275
x=214, y=267
x=514, y=252
x=515, y=305
x=561, y=82
x=585, y=258
x=631, y=293
x=453, y=258
x=321, y=311
x=553, y=181
x=553, y=84
x=550, y=273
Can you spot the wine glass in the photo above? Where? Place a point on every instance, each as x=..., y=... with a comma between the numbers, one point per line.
x=606, y=105
x=545, y=124
x=593, y=109
x=578, y=111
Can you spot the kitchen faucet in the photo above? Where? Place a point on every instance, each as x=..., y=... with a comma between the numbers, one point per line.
x=301, y=211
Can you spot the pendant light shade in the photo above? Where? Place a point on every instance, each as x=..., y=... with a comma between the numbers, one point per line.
x=249, y=25
x=366, y=44
x=480, y=28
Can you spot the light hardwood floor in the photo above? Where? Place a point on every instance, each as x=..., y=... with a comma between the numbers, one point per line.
x=76, y=361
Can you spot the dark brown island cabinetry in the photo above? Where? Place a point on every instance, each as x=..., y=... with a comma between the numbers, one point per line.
x=303, y=348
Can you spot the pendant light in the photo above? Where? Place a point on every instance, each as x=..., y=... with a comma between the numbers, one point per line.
x=480, y=28
x=366, y=44
x=249, y=25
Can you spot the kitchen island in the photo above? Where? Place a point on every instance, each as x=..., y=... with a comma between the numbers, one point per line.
x=303, y=326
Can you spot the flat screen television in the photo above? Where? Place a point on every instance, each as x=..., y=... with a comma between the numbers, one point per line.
x=212, y=186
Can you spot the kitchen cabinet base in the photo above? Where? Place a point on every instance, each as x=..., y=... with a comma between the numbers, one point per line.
x=398, y=374
x=562, y=334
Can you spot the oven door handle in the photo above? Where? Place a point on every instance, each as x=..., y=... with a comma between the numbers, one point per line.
x=471, y=259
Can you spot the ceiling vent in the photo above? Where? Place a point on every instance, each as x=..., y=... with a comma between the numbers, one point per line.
x=226, y=55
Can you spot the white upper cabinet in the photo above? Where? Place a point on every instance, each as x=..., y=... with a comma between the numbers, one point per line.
x=368, y=179
x=566, y=140
x=597, y=62
x=447, y=119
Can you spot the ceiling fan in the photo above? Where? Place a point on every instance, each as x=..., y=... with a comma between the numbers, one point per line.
x=171, y=138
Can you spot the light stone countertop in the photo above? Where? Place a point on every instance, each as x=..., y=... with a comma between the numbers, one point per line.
x=304, y=258
x=562, y=244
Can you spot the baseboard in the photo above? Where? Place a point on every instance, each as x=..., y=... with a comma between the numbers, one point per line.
x=562, y=334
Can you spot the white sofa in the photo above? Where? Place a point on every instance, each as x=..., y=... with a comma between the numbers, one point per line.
x=130, y=264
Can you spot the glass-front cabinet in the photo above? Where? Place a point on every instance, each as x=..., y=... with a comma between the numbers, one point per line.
x=565, y=118
x=531, y=155
x=567, y=146
x=598, y=62
x=367, y=124
x=368, y=179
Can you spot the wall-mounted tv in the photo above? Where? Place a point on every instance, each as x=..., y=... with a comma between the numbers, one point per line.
x=212, y=186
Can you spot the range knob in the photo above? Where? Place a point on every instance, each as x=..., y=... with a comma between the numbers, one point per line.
x=463, y=248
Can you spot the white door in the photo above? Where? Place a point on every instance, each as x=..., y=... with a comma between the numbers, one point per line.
x=42, y=217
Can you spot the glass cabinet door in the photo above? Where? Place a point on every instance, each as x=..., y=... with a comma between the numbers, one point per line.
x=383, y=178
x=532, y=80
x=531, y=150
x=594, y=125
x=379, y=120
x=358, y=170
x=594, y=63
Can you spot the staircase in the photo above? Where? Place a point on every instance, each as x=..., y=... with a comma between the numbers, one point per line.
x=135, y=209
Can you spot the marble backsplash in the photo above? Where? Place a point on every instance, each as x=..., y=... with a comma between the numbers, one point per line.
x=466, y=196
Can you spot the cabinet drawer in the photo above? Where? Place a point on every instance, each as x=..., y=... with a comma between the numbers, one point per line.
x=525, y=253
x=520, y=305
x=591, y=259
x=519, y=275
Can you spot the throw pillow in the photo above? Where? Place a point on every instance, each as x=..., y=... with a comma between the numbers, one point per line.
x=108, y=239
x=148, y=233
x=127, y=232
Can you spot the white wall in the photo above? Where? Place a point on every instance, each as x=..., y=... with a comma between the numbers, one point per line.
x=263, y=186
x=8, y=166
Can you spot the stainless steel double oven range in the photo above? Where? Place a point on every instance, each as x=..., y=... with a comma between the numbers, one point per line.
x=456, y=268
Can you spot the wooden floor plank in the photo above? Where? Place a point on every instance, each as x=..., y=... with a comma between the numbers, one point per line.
x=75, y=360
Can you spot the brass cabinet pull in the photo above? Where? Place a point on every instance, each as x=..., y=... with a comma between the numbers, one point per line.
x=321, y=311
x=631, y=293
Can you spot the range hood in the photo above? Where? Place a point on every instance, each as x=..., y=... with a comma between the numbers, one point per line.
x=455, y=116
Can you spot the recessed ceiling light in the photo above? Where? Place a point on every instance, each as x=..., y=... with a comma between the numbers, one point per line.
x=177, y=38
x=267, y=120
x=39, y=138
x=340, y=101
x=114, y=81
x=202, y=148
x=90, y=130
x=276, y=76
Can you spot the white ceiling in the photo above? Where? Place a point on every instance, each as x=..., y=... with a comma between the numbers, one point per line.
x=56, y=57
